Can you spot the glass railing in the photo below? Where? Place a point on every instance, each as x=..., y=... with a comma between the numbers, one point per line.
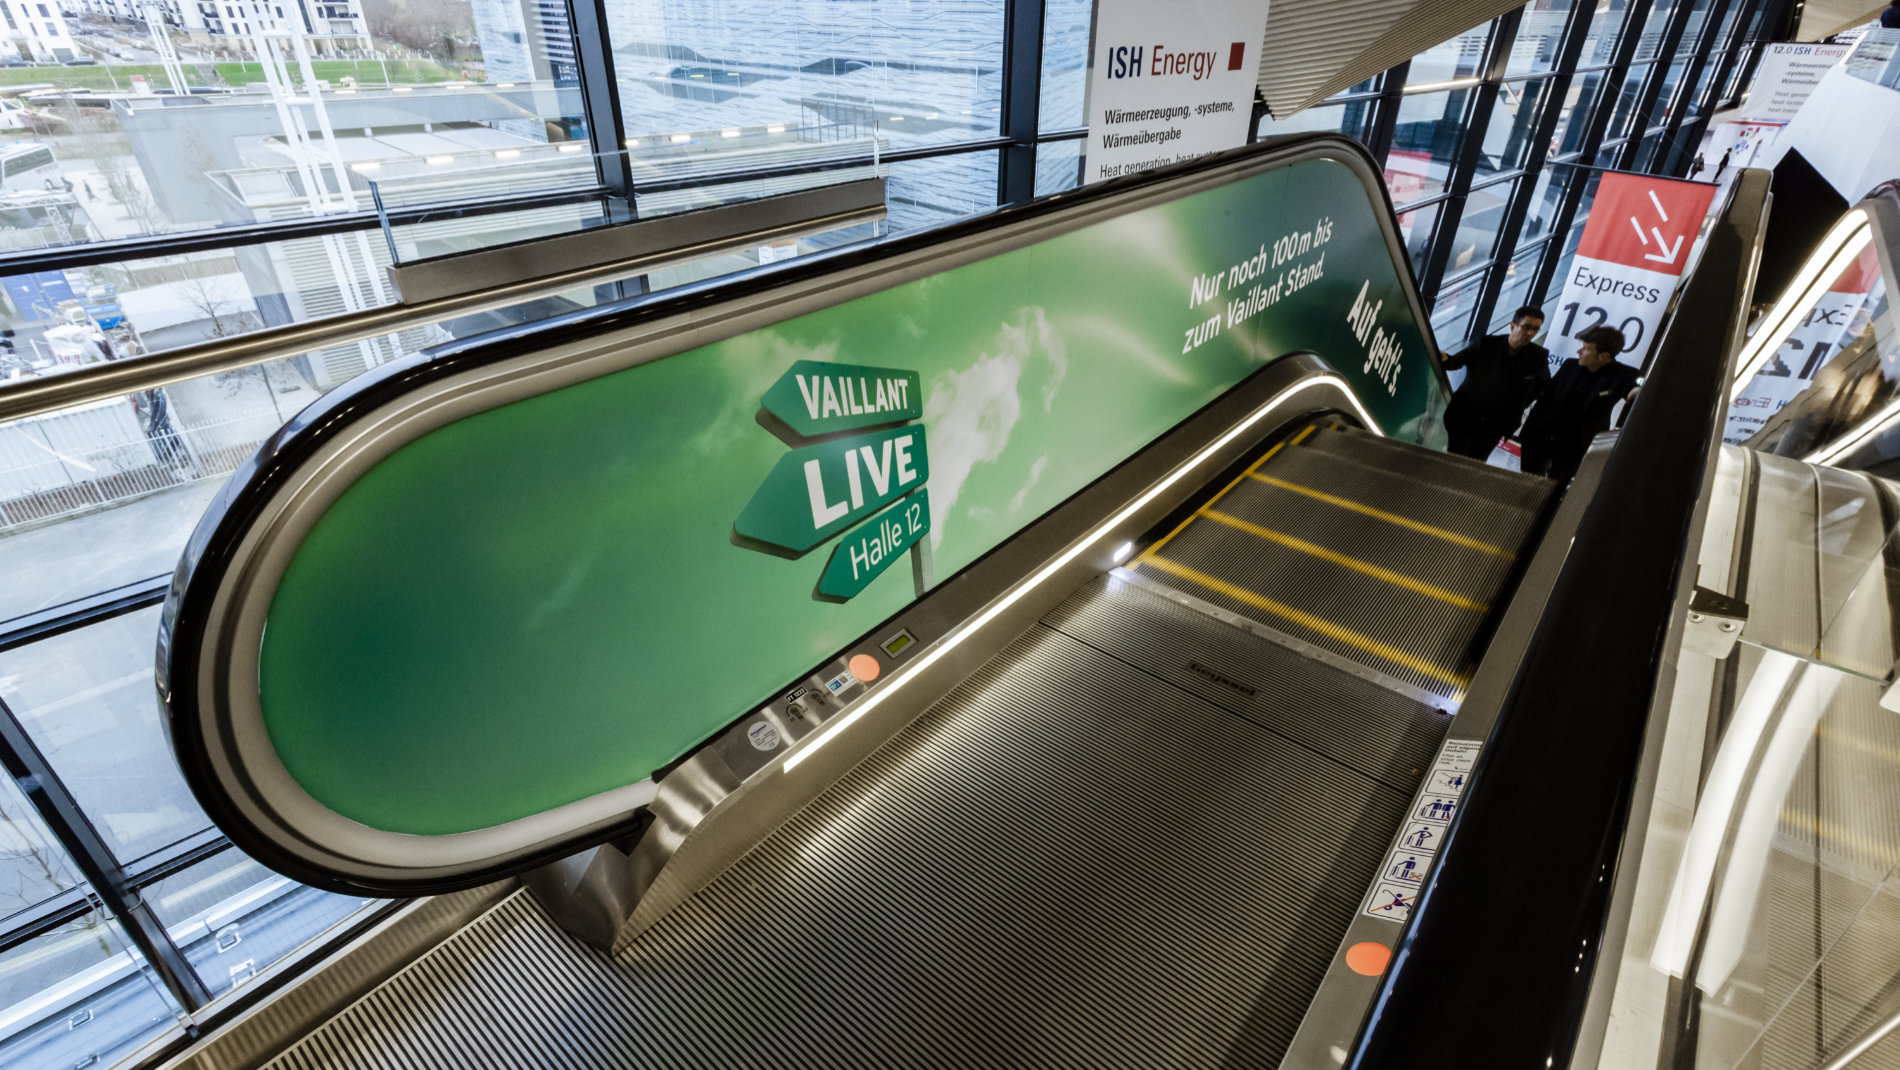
x=1765, y=910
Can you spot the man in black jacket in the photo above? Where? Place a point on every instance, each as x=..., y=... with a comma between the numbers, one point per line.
x=1577, y=405
x=1503, y=372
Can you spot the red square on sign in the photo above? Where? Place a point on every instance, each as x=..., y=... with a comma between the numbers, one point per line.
x=1235, y=53
x=1645, y=222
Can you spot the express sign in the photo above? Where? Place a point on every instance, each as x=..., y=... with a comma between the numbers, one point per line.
x=1633, y=250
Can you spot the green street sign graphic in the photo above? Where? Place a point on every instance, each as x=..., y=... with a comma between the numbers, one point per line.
x=815, y=492
x=815, y=398
x=864, y=554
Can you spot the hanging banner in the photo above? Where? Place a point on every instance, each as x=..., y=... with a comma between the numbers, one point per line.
x=1835, y=320
x=1170, y=82
x=1787, y=77
x=1634, y=247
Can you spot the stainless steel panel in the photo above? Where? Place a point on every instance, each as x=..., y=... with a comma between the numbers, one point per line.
x=1000, y=885
x=1358, y=724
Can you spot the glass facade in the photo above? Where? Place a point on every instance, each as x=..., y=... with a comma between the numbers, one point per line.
x=249, y=173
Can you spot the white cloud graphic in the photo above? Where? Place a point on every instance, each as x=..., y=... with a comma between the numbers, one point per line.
x=971, y=412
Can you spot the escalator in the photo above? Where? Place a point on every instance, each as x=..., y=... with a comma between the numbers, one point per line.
x=1156, y=778
x=1133, y=838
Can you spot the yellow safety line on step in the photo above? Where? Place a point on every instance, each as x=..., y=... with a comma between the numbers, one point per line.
x=1364, y=568
x=1163, y=541
x=1391, y=518
x=1309, y=621
x=1301, y=437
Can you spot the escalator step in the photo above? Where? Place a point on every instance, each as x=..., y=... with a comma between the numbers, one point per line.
x=1472, y=515
x=1432, y=466
x=1410, y=627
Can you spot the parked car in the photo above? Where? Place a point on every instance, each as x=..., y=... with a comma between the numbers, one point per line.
x=82, y=61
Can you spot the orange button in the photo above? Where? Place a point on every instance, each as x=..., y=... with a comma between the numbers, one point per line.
x=1369, y=958
x=865, y=667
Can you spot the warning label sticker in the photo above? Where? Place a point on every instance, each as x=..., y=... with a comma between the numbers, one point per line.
x=1425, y=828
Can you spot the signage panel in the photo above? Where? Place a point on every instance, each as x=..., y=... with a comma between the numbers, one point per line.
x=1632, y=253
x=1169, y=82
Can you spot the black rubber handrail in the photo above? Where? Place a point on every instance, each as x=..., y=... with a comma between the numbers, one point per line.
x=1496, y=964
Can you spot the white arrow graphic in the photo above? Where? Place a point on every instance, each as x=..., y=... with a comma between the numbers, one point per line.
x=1673, y=250
x=1660, y=243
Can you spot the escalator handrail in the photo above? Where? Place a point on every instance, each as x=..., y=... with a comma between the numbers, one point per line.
x=1501, y=950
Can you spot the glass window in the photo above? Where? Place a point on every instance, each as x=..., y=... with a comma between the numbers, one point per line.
x=1066, y=25
x=1546, y=201
x=88, y=701
x=1058, y=167
x=1625, y=113
x=174, y=158
x=33, y=867
x=1665, y=105
x=1540, y=34
x=1519, y=272
x=233, y=918
x=1704, y=81
x=1573, y=120
x=938, y=189
x=896, y=75
x=1348, y=118
x=1453, y=311
x=1606, y=28
x=1698, y=22
x=1460, y=57
x=1416, y=226
x=77, y=997
x=1507, y=139
x=1425, y=143
x=1370, y=85
x=1650, y=44
x=1477, y=236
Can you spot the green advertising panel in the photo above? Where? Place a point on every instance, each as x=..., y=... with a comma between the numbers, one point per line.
x=554, y=598
x=864, y=554
x=815, y=492
x=814, y=398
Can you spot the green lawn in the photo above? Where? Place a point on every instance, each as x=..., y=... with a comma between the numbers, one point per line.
x=103, y=77
x=332, y=70
x=100, y=77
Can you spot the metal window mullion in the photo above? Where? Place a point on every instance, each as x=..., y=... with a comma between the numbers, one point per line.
x=44, y=917
x=1634, y=20
x=1576, y=34
x=62, y=814
x=1385, y=115
x=600, y=102
x=1477, y=125
x=1022, y=100
x=1652, y=86
x=1670, y=153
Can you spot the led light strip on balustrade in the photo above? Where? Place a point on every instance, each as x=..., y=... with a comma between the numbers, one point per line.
x=1834, y=254
x=1082, y=546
